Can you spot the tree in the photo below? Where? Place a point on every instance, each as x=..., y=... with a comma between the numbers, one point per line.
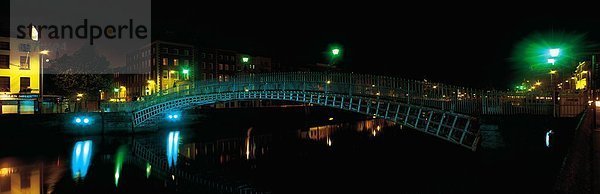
x=86, y=71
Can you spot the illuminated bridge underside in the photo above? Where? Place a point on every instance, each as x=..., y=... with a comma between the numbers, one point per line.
x=419, y=105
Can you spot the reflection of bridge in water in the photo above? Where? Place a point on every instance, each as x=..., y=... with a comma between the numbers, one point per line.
x=444, y=111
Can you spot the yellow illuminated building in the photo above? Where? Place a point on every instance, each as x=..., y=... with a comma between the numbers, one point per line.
x=19, y=75
x=20, y=180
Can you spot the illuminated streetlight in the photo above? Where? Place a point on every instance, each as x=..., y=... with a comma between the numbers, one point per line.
x=554, y=52
x=335, y=51
x=552, y=60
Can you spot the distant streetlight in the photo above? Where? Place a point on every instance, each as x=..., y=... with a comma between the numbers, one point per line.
x=552, y=61
x=186, y=72
x=334, y=53
x=554, y=52
x=245, y=59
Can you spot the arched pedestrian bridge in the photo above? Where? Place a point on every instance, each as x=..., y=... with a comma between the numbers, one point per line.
x=428, y=107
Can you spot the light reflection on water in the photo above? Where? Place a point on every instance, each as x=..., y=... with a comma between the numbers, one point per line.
x=81, y=159
x=172, y=148
x=248, y=147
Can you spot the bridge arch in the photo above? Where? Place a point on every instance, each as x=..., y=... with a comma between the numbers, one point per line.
x=377, y=96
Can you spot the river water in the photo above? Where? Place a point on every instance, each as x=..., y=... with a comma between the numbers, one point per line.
x=270, y=150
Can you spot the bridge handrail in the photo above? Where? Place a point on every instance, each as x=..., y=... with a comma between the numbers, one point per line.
x=413, y=90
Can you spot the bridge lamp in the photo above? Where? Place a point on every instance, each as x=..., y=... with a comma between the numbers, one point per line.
x=82, y=120
x=328, y=82
x=245, y=59
x=186, y=71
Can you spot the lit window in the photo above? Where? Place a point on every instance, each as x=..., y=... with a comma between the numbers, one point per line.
x=175, y=62
x=165, y=61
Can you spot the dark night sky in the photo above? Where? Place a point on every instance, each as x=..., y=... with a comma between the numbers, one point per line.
x=459, y=46
x=468, y=47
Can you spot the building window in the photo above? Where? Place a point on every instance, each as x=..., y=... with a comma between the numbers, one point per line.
x=186, y=62
x=210, y=56
x=4, y=84
x=25, y=179
x=220, y=78
x=165, y=74
x=203, y=65
x=226, y=67
x=203, y=76
x=186, y=52
x=175, y=51
x=221, y=57
x=4, y=183
x=24, y=48
x=212, y=66
x=164, y=50
x=4, y=45
x=24, y=62
x=175, y=62
x=4, y=64
x=203, y=55
x=25, y=84
x=210, y=75
x=220, y=66
x=165, y=61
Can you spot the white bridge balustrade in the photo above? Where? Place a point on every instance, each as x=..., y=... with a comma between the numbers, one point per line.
x=445, y=111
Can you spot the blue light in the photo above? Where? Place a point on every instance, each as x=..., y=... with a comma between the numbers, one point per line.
x=175, y=116
x=78, y=120
x=172, y=148
x=86, y=120
x=170, y=116
x=81, y=159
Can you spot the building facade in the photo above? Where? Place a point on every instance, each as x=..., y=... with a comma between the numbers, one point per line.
x=216, y=64
x=19, y=75
x=165, y=64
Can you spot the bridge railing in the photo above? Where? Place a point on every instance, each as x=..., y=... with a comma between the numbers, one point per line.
x=423, y=93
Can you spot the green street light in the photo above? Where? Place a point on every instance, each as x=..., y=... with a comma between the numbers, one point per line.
x=245, y=59
x=186, y=71
x=552, y=60
x=554, y=52
x=116, y=89
x=335, y=51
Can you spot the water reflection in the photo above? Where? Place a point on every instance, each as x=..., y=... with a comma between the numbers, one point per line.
x=81, y=159
x=247, y=144
x=325, y=133
x=119, y=159
x=172, y=148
